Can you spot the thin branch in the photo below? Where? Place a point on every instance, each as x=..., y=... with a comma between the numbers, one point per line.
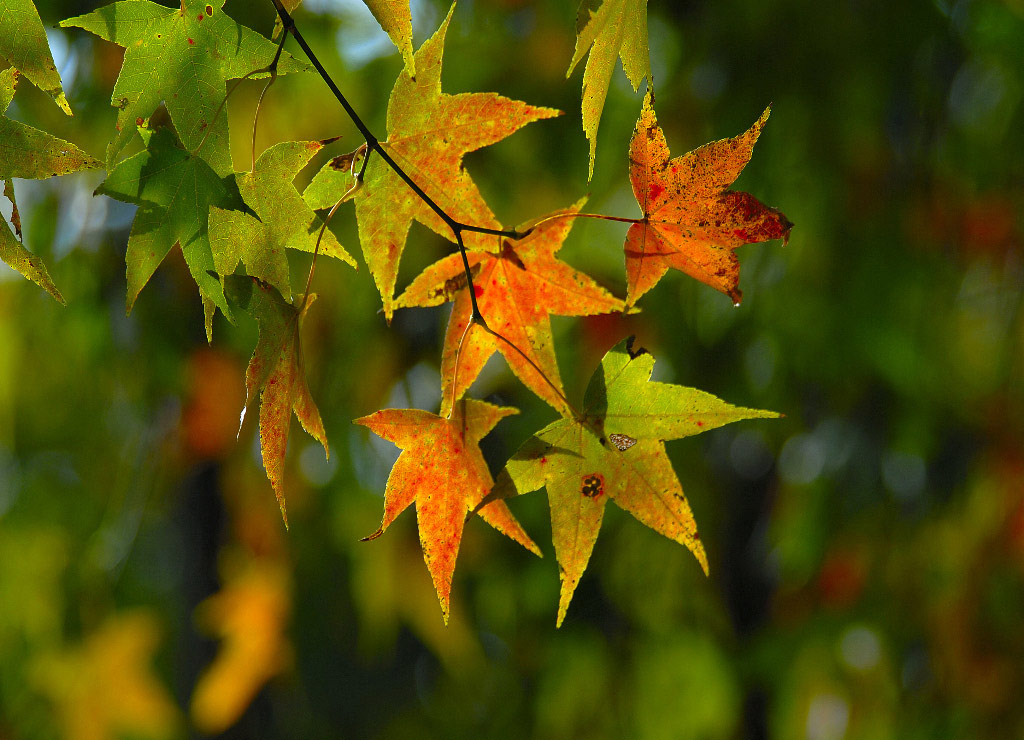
x=372, y=144
x=601, y=216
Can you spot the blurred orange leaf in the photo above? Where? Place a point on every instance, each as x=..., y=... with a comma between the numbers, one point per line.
x=250, y=615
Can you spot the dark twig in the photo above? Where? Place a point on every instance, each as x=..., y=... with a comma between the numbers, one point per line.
x=372, y=144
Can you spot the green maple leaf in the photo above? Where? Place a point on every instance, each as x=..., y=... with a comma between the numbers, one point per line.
x=615, y=451
x=275, y=378
x=29, y=153
x=284, y=219
x=181, y=57
x=175, y=191
x=618, y=28
x=23, y=44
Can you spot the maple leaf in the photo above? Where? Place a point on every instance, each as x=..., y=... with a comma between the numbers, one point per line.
x=175, y=191
x=617, y=28
x=181, y=57
x=442, y=470
x=275, y=377
x=395, y=17
x=24, y=45
x=284, y=219
x=692, y=221
x=29, y=153
x=250, y=613
x=104, y=688
x=517, y=290
x=615, y=451
x=428, y=134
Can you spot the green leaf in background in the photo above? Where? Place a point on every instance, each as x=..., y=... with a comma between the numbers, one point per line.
x=284, y=219
x=23, y=44
x=618, y=28
x=174, y=191
x=615, y=451
x=181, y=57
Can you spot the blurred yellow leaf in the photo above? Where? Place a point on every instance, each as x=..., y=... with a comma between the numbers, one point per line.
x=250, y=613
x=104, y=688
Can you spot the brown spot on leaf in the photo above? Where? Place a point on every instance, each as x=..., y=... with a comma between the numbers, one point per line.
x=622, y=441
x=592, y=485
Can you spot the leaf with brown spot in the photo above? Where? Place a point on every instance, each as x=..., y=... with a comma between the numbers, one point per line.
x=442, y=470
x=428, y=134
x=582, y=467
x=275, y=378
x=395, y=18
x=692, y=222
x=517, y=289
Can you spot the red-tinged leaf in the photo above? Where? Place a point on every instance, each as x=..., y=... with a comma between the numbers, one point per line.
x=614, y=451
x=517, y=290
x=692, y=222
x=428, y=134
x=442, y=470
x=275, y=377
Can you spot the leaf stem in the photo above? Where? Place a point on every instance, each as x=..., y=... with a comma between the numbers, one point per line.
x=535, y=366
x=601, y=216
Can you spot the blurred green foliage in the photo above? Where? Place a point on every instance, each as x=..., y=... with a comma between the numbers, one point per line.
x=867, y=551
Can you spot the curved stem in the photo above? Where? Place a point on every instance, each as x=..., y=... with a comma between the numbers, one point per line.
x=601, y=216
x=316, y=250
x=455, y=374
x=535, y=366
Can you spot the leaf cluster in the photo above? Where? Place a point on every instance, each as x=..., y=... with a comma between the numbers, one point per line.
x=505, y=283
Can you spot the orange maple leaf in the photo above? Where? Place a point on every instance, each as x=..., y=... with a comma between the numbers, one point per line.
x=275, y=377
x=442, y=470
x=517, y=289
x=428, y=134
x=251, y=614
x=692, y=221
